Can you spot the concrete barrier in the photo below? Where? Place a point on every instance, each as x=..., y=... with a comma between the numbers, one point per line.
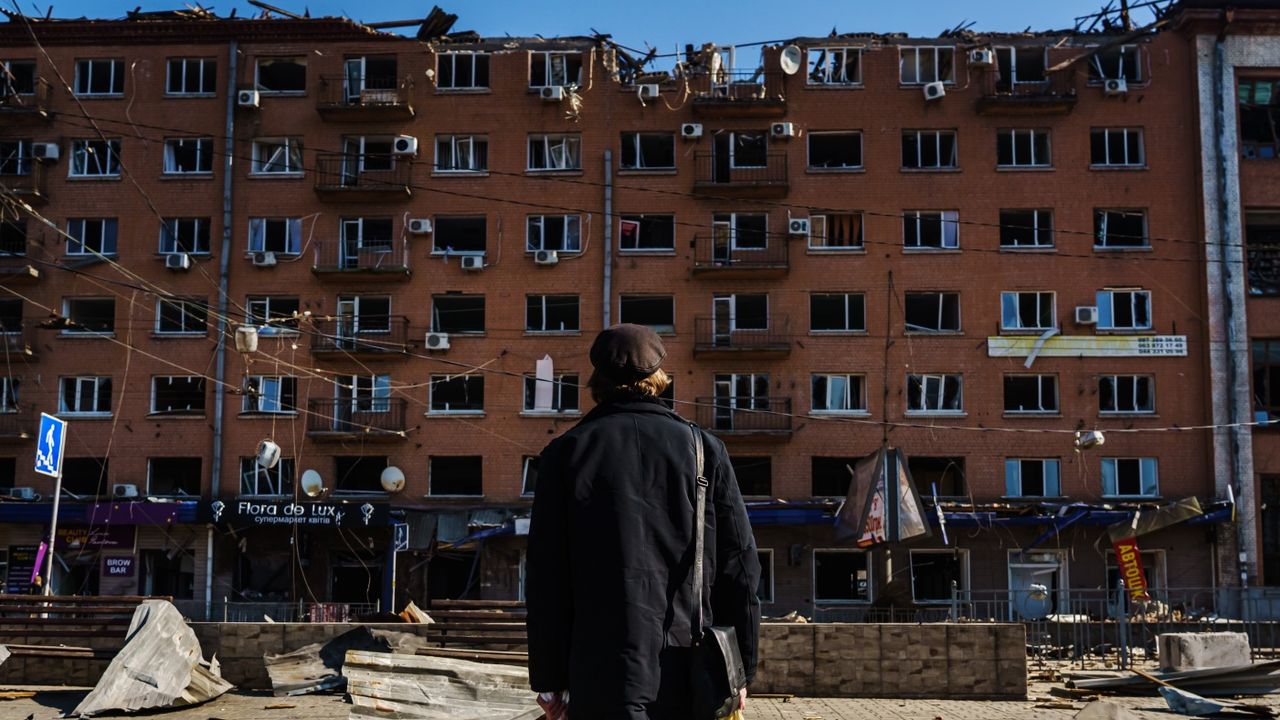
x=1188, y=651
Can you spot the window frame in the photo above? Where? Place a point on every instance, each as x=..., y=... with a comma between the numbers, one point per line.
x=921, y=141
x=946, y=219
x=548, y=71
x=923, y=379
x=293, y=229
x=1150, y=381
x=813, y=578
x=67, y=313
x=1034, y=133
x=83, y=82
x=572, y=151
x=543, y=298
x=1016, y=296
x=435, y=380
x=270, y=326
x=1041, y=379
x=559, y=382
x=855, y=393
x=180, y=305
x=820, y=228
x=1037, y=229
x=257, y=75
x=108, y=240
x=452, y=56
x=1095, y=65
x=177, y=493
x=915, y=51
x=1134, y=293
x=1101, y=219
x=285, y=485
x=82, y=149
x=639, y=220
x=1055, y=477
x=941, y=295
x=773, y=584
x=847, y=312
x=435, y=324
x=169, y=236
x=292, y=150
x=98, y=393
x=828, y=65
x=570, y=233
x=1107, y=133
x=7, y=86
x=477, y=146
x=188, y=412
x=204, y=154
x=200, y=75
x=259, y=399
x=660, y=329
x=808, y=150
x=637, y=147
x=962, y=585
x=1145, y=464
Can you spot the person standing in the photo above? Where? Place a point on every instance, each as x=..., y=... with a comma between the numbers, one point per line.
x=611, y=545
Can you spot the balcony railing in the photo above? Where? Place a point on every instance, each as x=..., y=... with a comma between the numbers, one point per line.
x=367, y=417
x=345, y=259
x=1056, y=95
x=715, y=172
x=30, y=185
x=366, y=335
x=16, y=423
x=745, y=415
x=363, y=177
x=352, y=98
x=713, y=334
x=737, y=93
x=711, y=253
x=26, y=108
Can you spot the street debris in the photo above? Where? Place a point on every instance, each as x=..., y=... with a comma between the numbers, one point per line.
x=1104, y=710
x=318, y=667
x=1252, y=679
x=408, y=687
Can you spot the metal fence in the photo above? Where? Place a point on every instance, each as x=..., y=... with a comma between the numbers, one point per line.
x=226, y=610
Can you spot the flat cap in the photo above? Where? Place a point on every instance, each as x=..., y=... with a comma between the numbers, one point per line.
x=626, y=353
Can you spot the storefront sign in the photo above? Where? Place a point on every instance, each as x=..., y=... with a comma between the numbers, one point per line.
x=1089, y=346
x=97, y=537
x=22, y=566
x=311, y=514
x=1129, y=561
x=119, y=566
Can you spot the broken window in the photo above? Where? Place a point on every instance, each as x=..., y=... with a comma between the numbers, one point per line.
x=89, y=315
x=1259, y=117
x=553, y=232
x=86, y=395
x=282, y=236
x=363, y=154
x=95, y=158
x=841, y=393
x=8, y=478
x=648, y=151
x=754, y=474
x=17, y=77
x=1124, y=309
x=934, y=394
x=1026, y=229
x=764, y=590
x=1035, y=477
x=453, y=475
x=555, y=152
x=919, y=65
x=86, y=476
x=10, y=315
x=177, y=395
x=931, y=229
x=551, y=313
x=1126, y=394
x=1262, y=250
x=835, y=66
x=549, y=69
x=358, y=473
x=281, y=75
x=91, y=236
x=658, y=312
x=835, y=150
x=1266, y=380
x=934, y=574
x=364, y=239
x=835, y=231
x=1123, y=62
x=272, y=314
x=462, y=71
x=740, y=312
x=15, y=157
x=1031, y=393
x=188, y=155
x=455, y=313
x=564, y=394
x=462, y=153
x=748, y=149
x=529, y=475
x=1027, y=311
x=837, y=312
x=191, y=76
x=929, y=149
x=1120, y=229
x=1130, y=477
x=639, y=233
x=182, y=316
x=457, y=393
x=841, y=576
x=256, y=480
x=1019, y=66
x=463, y=235
x=99, y=77
x=176, y=476
x=371, y=79
x=830, y=476
x=932, y=312
x=943, y=476
x=1117, y=147
x=1023, y=148
x=746, y=231
x=185, y=235
x=13, y=237
x=270, y=394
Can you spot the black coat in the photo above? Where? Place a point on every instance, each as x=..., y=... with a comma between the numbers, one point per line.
x=610, y=562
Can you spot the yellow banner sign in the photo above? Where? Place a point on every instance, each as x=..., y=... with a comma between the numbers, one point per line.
x=1088, y=346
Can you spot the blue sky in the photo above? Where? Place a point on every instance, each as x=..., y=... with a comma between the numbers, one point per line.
x=664, y=24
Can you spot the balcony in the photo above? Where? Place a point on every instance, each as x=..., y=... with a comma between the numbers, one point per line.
x=26, y=108
x=362, y=259
x=738, y=94
x=19, y=345
x=359, y=178
x=30, y=185
x=715, y=174
x=17, y=423
x=362, y=419
x=714, y=335
x=351, y=98
x=718, y=255
x=368, y=336
x=761, y=417
x=1056, y=95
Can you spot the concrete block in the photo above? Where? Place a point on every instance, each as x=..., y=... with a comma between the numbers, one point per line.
x=1187, y=651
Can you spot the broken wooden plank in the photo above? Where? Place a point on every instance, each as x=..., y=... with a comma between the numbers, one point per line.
x=505, y=657
x=418, y=687
x=318, y=666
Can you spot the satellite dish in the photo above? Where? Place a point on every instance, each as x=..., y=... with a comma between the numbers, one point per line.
x=268, y=453
x=312, y=483
x=392, y=479
x=791, y=58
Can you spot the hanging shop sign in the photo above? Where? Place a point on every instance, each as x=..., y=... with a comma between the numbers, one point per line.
x=1129, y=562
x=1088, y=346
x=97, y=537
x=266, y=513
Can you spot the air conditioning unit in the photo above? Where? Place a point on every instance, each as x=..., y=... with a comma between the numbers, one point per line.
x=21, y=493
x=419, y=226
x=553, y=93
x=264, y=259
x=546, y=257
x=405, y=145
x=782, y=130
x=934, y=91
x=124, y=490
x=248, y=98
x=982, y=57
x=177, y=261
x=798, y=226
x=1086, y=315
x=1115, y=86
x=438, y=341
x=472, y=262
x=648, y=92
x=45, y=151
x=691, y=131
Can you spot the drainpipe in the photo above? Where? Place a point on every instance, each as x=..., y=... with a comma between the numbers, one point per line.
x=224, y=267
x=608, y=237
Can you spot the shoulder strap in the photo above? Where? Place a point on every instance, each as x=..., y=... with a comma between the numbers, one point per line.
x=699, y=520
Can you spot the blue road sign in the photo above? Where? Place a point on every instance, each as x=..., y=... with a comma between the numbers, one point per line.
x=50, y=444
x=401, y=536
